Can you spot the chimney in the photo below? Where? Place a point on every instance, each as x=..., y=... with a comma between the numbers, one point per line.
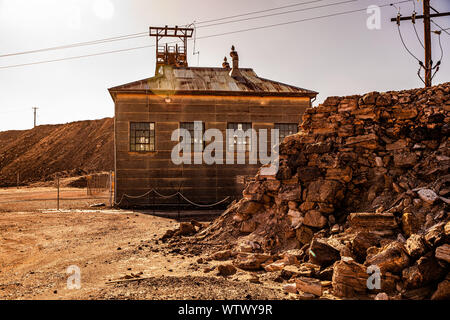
x=235, y=73
x=225, y=63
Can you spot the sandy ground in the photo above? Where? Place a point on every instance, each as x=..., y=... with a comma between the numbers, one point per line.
x=38, y=198
x=36, y=248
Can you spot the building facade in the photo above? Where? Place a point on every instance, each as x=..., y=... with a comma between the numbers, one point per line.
x=196, y=99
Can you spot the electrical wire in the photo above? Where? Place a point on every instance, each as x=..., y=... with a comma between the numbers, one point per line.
x=404, y=45
x=204, y=37
x=277, y=14
x=80, y=44
x=260, y=11
x=445, y=30
x=414, y=24
x=145, y=34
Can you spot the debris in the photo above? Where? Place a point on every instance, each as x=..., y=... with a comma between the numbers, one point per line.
x=428, y=196
x=382, y=296
x=349, y=278
x=226, y=270
x=392, y=258
x=321, y=253
x=443, y=253
x=415, y=246
x=290, y=287
x=309, y=285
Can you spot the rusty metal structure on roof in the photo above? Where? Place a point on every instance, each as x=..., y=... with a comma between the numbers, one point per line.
x=171, y=55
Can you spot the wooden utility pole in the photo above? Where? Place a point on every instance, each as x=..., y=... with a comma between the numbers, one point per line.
x=34, y=108
x=427, y=42
x=428, y=65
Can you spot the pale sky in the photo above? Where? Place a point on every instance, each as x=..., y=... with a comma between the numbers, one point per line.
x=335, y=56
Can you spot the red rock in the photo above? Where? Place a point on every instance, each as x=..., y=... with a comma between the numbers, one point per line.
x=443, y=253
x=392, y=258
x=309, y=285
x=315, y=219
x=226, y=270
x=349, y=278
x=322, y=254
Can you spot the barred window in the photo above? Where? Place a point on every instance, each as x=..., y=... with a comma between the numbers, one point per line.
x=190, y=126
x=286, y=129
x=142, y=136
x=235, y=139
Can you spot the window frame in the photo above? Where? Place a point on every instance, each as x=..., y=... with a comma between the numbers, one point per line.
x=192, y=133
x=134, y=127
x=235, y=142
x=277, y=125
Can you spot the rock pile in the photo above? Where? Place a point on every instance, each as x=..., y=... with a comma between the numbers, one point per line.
x=359, y=205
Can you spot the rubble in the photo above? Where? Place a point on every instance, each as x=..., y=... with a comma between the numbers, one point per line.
x=226, y=270
x=443, y=253
x=309, y=285
x=363, y=186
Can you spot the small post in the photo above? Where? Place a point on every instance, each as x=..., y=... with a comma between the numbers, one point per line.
x=178, y=198
x=34, y=109
x=57, y=185
x=110, y=189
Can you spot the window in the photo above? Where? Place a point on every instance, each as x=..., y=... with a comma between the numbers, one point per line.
x=286, y=129
x=190, y=126
x=240, y=140
x=142, y=136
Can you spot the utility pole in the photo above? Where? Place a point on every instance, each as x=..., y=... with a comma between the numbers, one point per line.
x=35, y=108
x=428, y=65
x=427, y=42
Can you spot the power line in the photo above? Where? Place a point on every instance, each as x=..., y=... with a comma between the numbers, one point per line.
x=79, y=44
x=277, y=14
x=414, y=24
x=445, y=30
x=204, y=37
x=260, y=11
x=145, y=34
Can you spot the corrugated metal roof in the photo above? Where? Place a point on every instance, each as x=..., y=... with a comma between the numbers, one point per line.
x=210, y=81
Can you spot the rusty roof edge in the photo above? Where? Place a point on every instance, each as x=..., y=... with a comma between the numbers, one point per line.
x=137, y=81
x=310, y=94
x=289, y=85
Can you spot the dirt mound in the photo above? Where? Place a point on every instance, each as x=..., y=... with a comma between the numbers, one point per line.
x=71, y=149
x=364, y=187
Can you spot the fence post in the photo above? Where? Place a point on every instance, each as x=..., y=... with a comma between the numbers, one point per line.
x=110, y=189
x=57, y=185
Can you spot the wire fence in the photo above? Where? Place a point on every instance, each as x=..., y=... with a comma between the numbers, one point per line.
x=180, y=196
x=98, y=187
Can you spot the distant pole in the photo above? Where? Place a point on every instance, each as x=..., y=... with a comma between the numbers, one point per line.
x=34, y=109
x=57, y=185
x=110, y=189
x=427, y=42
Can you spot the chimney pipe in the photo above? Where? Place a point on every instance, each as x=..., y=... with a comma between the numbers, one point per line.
x=235, y=70
x=225, y=63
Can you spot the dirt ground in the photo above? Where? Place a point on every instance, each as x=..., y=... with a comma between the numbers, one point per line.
x=108, y=246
